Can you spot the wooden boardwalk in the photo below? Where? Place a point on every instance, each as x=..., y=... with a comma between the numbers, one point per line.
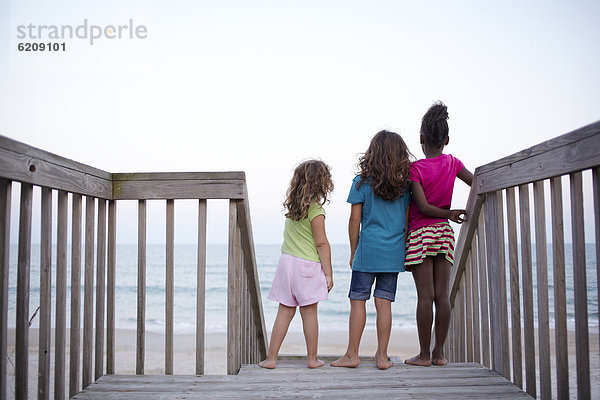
x=293, y=380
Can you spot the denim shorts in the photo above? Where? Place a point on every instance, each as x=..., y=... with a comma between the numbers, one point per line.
x=362, y=282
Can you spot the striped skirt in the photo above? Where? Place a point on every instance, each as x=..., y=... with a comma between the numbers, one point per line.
x=428, y=241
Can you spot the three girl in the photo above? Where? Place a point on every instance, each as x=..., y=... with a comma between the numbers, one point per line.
x=304, y=275
x=380, y=215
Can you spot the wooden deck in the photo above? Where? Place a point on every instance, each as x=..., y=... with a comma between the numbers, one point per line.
x=293, y=380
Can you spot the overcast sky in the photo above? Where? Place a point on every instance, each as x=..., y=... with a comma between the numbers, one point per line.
x=260, y=86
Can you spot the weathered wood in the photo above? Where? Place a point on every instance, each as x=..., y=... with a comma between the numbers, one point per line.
x=560, y=302
x=247, y=243
x=169, y=279
x=468, y=311
x=141, y=290
x=180, y=176
x=542, y=289
x=88, y=293
x=110, y=286
x=232, y=307
x=483, y=289
x=460, y=324
x=100, y=289
x=74, y=338
x=515, y=301
x=596, y=189
x=475, y=299
x=45, y=331
x=467, y=230
x=498, y=305
x=582, y=347
x=5, y=200
x=23, y=271
x=526, y=274
x=573, y=151
x=178, y=189
x=61, y=295
x=201, y=287
x=23, y=163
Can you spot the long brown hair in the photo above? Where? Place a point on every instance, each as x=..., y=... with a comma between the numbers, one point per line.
x=385, y=165
x=311, y=183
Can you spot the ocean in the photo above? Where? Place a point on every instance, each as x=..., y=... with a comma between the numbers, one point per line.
x=333, y=313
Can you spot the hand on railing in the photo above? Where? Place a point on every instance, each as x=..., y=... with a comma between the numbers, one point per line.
x=455, y=216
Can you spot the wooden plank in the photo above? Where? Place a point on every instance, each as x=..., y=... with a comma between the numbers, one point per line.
x=169, y=278
x=497, y=280
x=526, y=274
x=88, y=293
x=201, y=287
x=515, y=301
x=23, y=271
x=460, y=324
x=37, y=171
x=468, y=297
x=467, y=230
x=178, y=189
x=574, y=156
x=596, y=189
x=45, y=331
x=61, y=295
x=141, y=290
x=180, y=176
x=5, y=200
x=476, y=301
x=100, y=289
x=247, y=242
x=542, y=290
x=582, y=346
x=110, y=286
x=560, y=302
x=74, y=339
x=232, y=310
x=483, y=289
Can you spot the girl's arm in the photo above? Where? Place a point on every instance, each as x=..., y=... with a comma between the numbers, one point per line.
x=431, y=210
x=318, y=229
x=466, y=176
x=354, y=228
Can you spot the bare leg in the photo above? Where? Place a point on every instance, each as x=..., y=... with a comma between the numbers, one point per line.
x=280, y=328
x=423, y=277
x=356, y=325
x=384, y=328
x=310, y=325
x=441, y=281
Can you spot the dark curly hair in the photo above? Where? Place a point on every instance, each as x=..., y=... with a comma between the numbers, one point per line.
x=311, y=183
x=434, y=125
x=385, y=165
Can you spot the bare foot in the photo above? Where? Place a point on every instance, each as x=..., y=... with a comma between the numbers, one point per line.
x=419, y=361
x=383, y=362
x=267, y=364
x=346, y=361
x=316, y=364
x=440, y=362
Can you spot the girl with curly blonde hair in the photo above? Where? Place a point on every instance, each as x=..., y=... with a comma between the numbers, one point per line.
x=304, y=275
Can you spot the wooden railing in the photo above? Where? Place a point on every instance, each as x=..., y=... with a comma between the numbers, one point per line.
x=480, y=330
x=58, y=177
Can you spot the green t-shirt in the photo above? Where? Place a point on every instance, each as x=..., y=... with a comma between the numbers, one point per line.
x=298, y=238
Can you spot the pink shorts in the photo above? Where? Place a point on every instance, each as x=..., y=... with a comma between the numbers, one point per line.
x=298, y=282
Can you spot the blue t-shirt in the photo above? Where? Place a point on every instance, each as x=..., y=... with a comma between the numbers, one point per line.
x=382, y=231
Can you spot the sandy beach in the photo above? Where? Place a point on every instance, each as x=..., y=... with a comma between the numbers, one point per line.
x=403, y=343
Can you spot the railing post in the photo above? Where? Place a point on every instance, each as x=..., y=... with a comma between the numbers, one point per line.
x=5, y=197
x=88, y=293
x=169, y=277
x=74, y=338
x=495, y=253
x=515, y=300
x=23, y=270
x=61, y=296
x=233, y=310
x=110, y=286
x=201, y=287
x=141, y=290
x=45, y=296
x=100, y=289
